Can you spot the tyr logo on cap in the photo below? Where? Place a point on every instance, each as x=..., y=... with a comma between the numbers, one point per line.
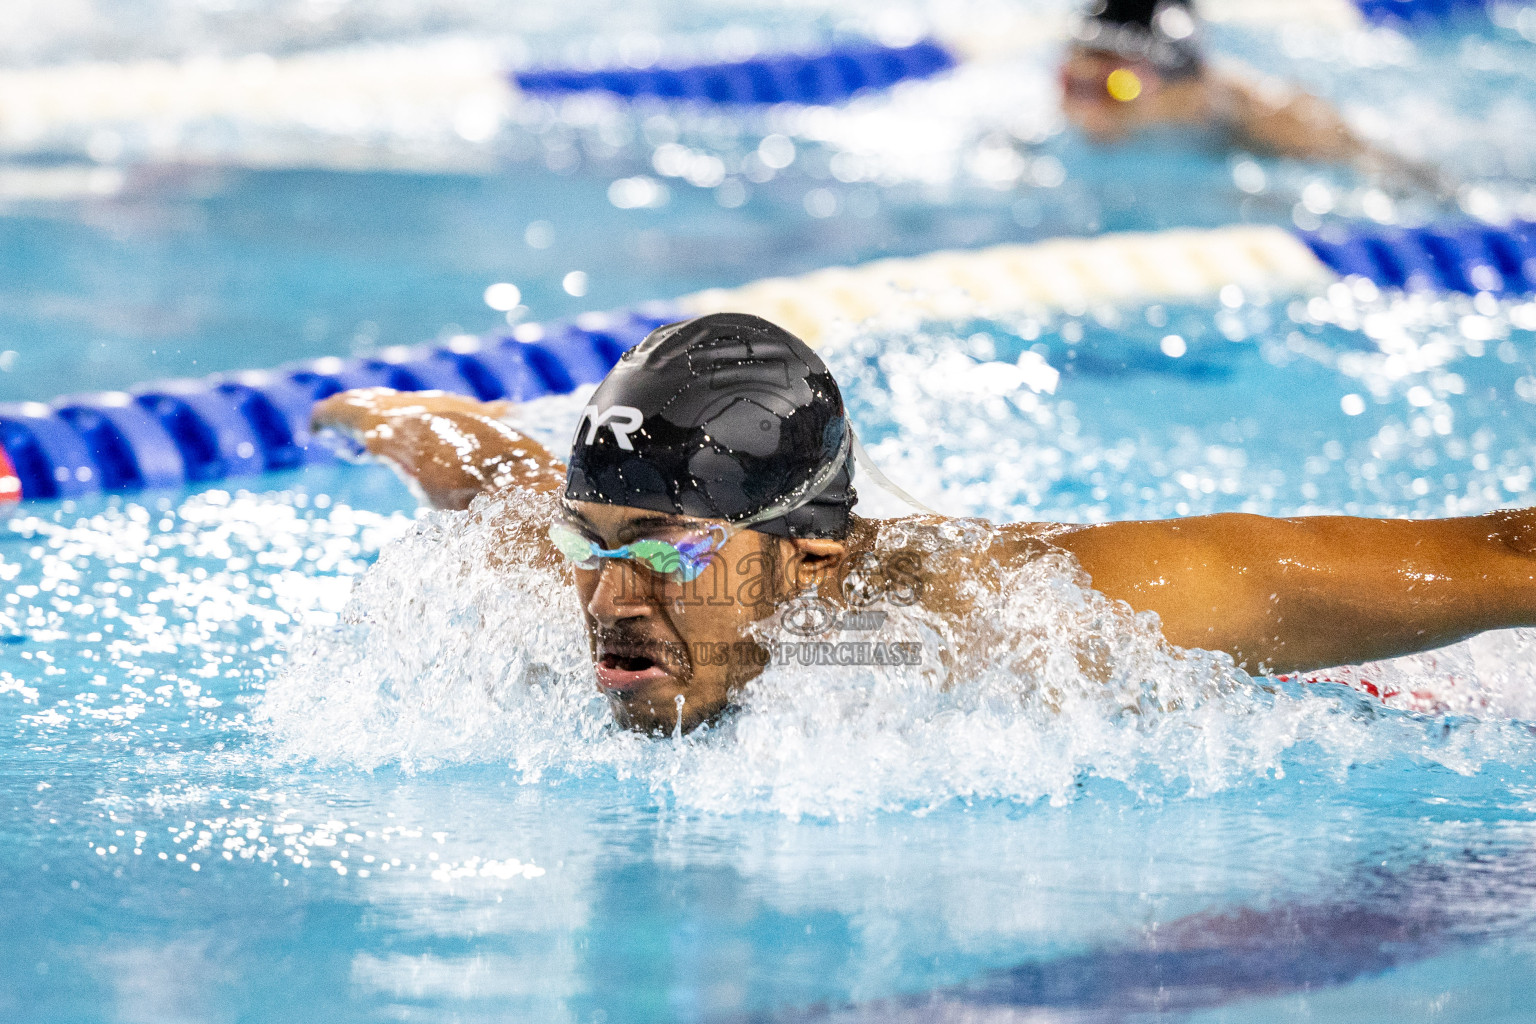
x=622, y=420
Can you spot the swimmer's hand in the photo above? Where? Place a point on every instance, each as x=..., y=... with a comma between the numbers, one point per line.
x=450, y=448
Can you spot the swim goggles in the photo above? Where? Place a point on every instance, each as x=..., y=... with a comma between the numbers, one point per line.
x=681, y=560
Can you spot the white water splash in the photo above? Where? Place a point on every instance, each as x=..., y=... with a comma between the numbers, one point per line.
x=451, y=652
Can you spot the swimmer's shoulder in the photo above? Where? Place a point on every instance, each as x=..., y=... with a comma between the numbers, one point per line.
x=953, y=549
x=934, y=534
x=1024, y=542
x=947, y=563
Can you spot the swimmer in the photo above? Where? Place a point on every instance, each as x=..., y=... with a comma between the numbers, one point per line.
x=716, y=459
x=1135, y=64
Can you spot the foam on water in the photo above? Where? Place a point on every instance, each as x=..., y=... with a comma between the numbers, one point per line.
x=1352, y=401
x=449, y=651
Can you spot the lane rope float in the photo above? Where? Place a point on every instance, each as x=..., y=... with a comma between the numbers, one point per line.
x=465, y=82
x=233, y=425
x=1467, y=257
x=818, y=79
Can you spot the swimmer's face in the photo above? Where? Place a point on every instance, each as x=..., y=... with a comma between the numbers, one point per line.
x=655, y=640
x=1107, y=96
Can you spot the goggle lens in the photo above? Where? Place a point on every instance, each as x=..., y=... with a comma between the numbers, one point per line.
x=681, y=562
x=658, y=554
x=576, y=548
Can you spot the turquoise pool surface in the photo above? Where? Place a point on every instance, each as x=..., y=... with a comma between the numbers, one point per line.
x=288, y=749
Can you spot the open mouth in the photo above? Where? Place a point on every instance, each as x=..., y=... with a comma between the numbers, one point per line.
x=619, y=671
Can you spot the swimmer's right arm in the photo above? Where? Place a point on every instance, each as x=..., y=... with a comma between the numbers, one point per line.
x=450, y=447
x=1283, y=120
x=1264, y=115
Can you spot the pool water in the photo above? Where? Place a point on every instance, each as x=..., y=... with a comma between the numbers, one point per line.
x=193, y=246
x=288, y=749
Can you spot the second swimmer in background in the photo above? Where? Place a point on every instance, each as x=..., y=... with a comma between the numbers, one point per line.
x=1136, y=64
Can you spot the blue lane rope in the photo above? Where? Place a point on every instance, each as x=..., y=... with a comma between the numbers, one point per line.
x=842, y=72
x=178, y=432
x=1418, y=11
x=823, y=78
x=1466, y=257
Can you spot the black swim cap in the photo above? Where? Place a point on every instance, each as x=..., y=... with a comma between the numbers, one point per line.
x=1164, y=32
x=1125, y=12
x=726, y=416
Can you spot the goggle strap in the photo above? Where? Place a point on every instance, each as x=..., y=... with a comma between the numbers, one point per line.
x=871, y=470
x=807, y=491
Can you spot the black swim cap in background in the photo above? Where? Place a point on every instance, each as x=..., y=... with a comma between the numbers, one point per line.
x=720, y=417
x=1163, y=32
x=1126, y=12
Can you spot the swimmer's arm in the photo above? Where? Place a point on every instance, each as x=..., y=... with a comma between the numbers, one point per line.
x=1282, y=120
x=1285, y=595
x=451, y=448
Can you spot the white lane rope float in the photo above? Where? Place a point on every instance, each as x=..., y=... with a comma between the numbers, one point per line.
x=190, y=432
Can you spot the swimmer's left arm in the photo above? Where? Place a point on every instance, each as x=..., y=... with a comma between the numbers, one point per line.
x=1284, y=595
x=450, y=447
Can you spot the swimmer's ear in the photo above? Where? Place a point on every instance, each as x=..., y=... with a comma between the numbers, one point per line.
x=814, y=560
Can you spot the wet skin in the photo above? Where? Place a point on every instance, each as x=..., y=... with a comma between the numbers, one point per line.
x=1278, y=595
x=1088, y=103
x=649, y=634
x=1263, y=116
